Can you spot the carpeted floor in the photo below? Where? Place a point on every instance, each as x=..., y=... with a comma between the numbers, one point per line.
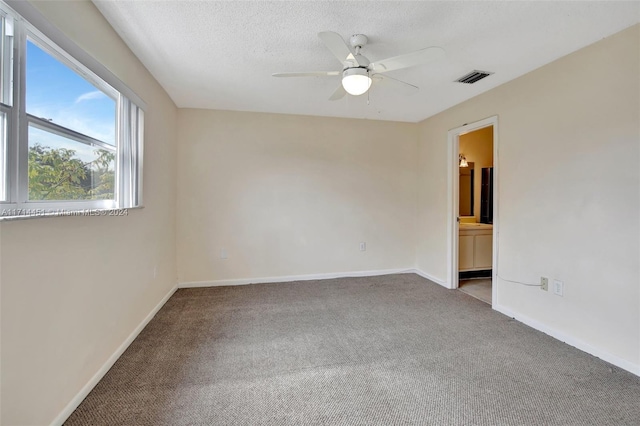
x=389, y=350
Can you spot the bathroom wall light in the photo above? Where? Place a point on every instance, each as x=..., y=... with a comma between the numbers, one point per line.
x=463, y=161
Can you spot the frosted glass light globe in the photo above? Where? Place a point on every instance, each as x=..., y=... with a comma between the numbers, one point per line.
x=356, y=81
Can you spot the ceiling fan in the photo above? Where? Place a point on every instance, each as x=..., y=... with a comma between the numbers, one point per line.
x=358, y=72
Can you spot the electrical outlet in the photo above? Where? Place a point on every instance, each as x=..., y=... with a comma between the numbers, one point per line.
x=558, y=287
x=223, y=254
x=155, y=271
x=363, y=246
x=544, y=283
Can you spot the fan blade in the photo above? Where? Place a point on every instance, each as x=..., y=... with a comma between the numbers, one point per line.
x=407, y=60
x=307, y=74
x=401, y=86
x=336, y=44
x=338, y=94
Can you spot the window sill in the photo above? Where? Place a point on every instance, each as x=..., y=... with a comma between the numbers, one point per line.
x=25, y=214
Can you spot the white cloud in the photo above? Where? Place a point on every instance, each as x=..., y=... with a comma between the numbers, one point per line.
x=96, y=94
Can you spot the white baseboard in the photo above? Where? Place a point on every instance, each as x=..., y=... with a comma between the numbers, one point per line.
x=570, y=340
x=431, y=278
x=80, y=396
x=288, y=278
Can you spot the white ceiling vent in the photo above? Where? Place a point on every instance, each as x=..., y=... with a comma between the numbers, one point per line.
x=473, y=76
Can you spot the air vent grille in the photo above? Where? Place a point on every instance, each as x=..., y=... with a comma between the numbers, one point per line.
x=473, y=76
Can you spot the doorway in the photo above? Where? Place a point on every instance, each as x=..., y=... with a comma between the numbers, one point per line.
x=472, y=212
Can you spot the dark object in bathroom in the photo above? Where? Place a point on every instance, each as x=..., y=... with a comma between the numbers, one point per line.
x=486, y=195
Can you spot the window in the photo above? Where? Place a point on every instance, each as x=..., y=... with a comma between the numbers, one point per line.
x=69, y=140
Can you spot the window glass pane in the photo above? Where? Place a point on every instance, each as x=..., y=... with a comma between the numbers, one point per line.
x=61, y=168
x=3, y=156
x=58, y=94
x=6, y=58
x=3, y=63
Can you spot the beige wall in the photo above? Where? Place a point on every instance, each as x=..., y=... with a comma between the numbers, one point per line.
x=291, y=195
x=73, y=288
x=568, y=197
x=478, y=148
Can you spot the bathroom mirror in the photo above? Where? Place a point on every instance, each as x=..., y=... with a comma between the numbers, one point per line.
x=466, y=190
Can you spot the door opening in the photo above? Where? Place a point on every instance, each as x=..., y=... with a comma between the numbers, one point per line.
x=473, y=224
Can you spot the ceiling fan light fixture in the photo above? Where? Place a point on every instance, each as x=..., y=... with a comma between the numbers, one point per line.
x=356, y=81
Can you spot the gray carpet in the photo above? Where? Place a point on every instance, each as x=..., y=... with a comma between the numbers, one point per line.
x=389, y=350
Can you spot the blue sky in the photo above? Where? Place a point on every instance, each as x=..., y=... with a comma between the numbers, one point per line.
x=57, y=93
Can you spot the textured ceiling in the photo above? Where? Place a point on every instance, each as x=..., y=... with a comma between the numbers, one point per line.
x=221, y=54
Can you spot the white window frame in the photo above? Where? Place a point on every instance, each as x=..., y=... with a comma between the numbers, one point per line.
x=29, y=24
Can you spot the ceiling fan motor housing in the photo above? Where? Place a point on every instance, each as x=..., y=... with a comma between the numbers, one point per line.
x=358, y=40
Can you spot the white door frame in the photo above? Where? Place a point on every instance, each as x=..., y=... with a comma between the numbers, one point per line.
x=453, y=200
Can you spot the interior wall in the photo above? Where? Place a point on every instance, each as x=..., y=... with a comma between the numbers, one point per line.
x=293, y=195
x=568, y=140
x=74, y=288
x=477, y=147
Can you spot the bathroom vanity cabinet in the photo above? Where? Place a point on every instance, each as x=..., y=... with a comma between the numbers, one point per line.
x=475, y=247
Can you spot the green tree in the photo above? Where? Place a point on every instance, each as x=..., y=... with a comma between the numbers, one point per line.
x=58, y=174
x=104, y=175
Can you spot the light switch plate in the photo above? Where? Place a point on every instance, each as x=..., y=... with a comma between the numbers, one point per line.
x=558, y=287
